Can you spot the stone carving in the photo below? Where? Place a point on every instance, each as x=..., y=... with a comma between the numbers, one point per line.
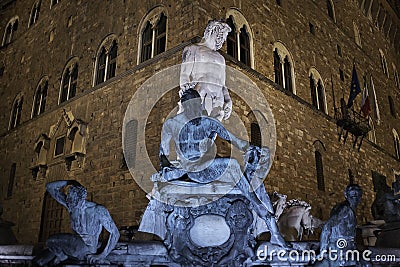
x=340, y=230
x=41, y=148
x=203, y=69
x=228, y=241
x=193, y=136
x=77, y=133
x=279, y=204
x=239, y=219
x=296, y=218
x=87, y=220
x=382, y=190
x=237, y=202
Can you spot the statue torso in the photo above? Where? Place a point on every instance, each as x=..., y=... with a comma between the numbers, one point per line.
x=208, y=69
x=85, y=223
x=345, y=224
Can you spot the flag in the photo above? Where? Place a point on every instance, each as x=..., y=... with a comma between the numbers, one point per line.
x=354, y=87
x=365, y=103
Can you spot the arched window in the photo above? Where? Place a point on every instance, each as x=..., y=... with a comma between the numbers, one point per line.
x=320, y=171
x=11, y=28
x=54, y=2
x=287, y=70
x=319, y=166
x=153, y=34
x=383, y=63
x=381, y=16
x=161, y=35
x=396, y=76
x=244, y=41
x=130, y=143
x=147, y=38
x=396, y=140
x=112, y=60
x=240, y=39
x=278, y=68
x=11, y=180
x=357, y=35
x=255, y=135
x=39, y=99
x=231, y=41
x=283, y=67
x=34, y=14
x=16, y=110
x=331, y=9
x=391, y=106
x=374, y=11
x=106, y=60
x=366, y=7
x=318, y=97
x=69, y=81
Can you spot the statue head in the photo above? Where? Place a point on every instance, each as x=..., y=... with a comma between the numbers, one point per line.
x=216, y=33
x=353, y=194
x=76, y=196
x=191, y=103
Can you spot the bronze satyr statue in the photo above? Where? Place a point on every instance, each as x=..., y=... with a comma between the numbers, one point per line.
x=338, y=234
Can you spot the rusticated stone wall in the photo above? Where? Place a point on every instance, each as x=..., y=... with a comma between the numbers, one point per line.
x=78, y=27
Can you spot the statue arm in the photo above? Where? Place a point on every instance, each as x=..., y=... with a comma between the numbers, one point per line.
x=108, y=223
x=54, y=189
x=186, y=69
x=227, y=103
x=230, y=137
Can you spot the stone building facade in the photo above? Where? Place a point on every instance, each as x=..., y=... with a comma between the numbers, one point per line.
x=69, y=68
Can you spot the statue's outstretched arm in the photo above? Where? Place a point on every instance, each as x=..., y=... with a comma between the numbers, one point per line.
x=227, y=103
x=230, y=137
x=54, y=189
x=108, y=223
x=187, y=66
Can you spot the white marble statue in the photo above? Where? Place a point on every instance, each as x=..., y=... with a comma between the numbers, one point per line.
x=203, y=69
x=87, y=221
x=193, y=136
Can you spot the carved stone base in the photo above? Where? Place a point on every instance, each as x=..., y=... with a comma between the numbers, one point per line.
x=215, y=234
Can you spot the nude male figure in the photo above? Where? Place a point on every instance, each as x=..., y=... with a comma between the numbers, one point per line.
x=203, y=69
x=87, y=220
